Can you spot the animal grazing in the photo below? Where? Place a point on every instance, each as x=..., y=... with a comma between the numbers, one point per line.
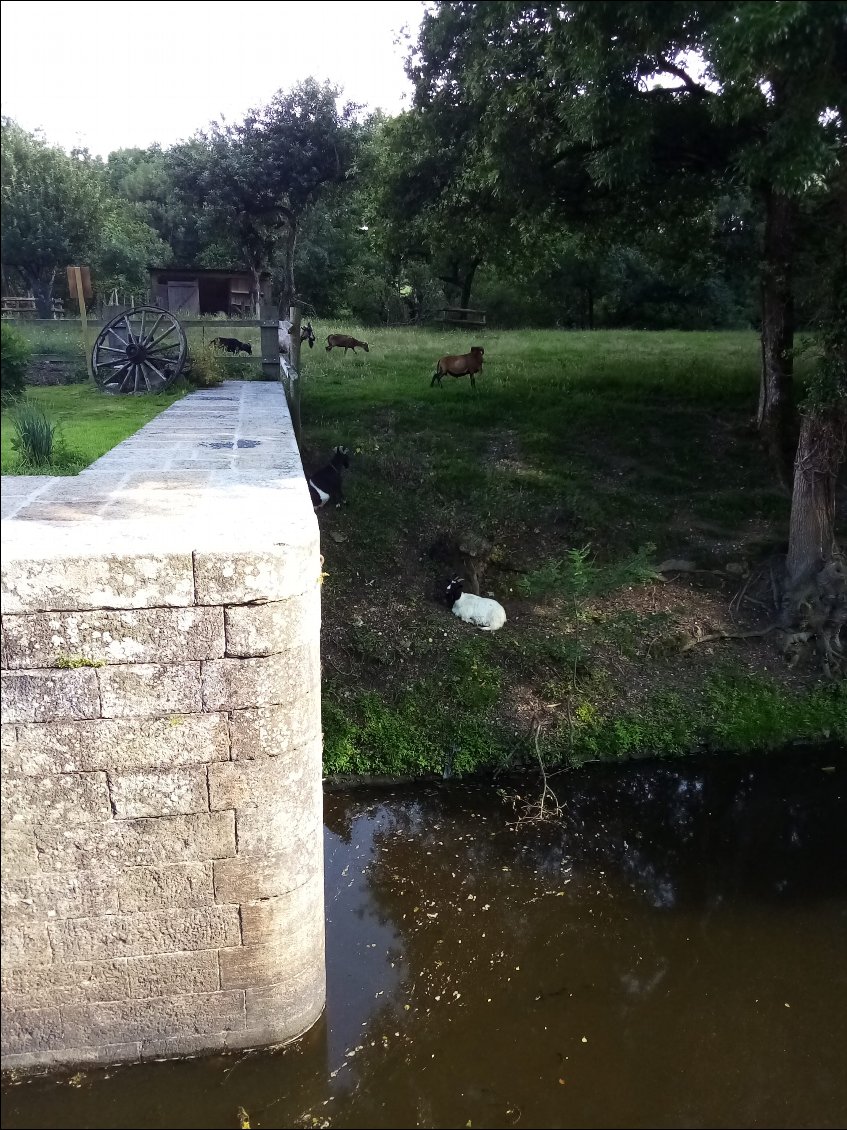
x=286, y=329
x=459, y=365
x=481, y=611
x=232, y=345
x=325, y=485
x=343, y=341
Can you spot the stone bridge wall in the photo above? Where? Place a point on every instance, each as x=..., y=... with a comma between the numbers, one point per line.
x=162, y=889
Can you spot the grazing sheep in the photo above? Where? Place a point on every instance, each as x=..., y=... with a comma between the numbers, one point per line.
x=345, y=342
x=459, y=365
x=232, y=345
x=325, y=485
x=481, y=611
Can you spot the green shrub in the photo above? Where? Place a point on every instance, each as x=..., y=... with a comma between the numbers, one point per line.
x=206, y=369
x=14, y=355
x=34, y=436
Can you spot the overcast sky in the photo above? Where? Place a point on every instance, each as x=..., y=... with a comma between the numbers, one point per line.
x=108, y=75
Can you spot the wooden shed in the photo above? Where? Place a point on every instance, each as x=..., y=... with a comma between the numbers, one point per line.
x=191, y=291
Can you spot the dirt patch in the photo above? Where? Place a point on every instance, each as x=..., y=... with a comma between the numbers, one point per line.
x=45, y=371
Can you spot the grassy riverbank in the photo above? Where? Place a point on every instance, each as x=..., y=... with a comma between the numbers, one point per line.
x=585, y=460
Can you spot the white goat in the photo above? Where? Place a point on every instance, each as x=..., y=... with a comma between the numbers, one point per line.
x=481, y=611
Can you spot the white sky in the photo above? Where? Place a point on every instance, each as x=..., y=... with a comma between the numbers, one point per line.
x=107, y=75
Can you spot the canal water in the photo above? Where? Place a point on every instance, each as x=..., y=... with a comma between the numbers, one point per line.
x=673, y=953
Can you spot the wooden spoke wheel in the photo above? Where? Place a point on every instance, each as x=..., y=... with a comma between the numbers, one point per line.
x=140, y=351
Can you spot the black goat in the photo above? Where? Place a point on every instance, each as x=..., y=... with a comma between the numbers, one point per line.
x=232, y=345
x=325, y=485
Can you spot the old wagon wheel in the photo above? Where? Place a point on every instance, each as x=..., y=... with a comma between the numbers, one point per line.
x=142, y=350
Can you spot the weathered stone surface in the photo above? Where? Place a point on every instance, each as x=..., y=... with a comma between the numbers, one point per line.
x=292, y=819
x=183, y=1047
x=251, y=784
x=68, y=796
x=156, y=1018
x=267, y=629
x=118, y=744
x=152, y=635
x=8, y=740
x=31, y=1030
x=253, y=966
x=148, y=689
x=95, y=580
x=290, y=918
x=50, y=695
x=231, y=577
x=173, y=974
x=20, y=857
x=42, y=898
x=52, y=985
x=73, y=1057
x=290, y=1006
x=127, y=843
x=133, y=935
x=148, y=889
x=233, y=684
x=159, y=792
x=256, y=877
x=25, y=943
x=270, y=1035
x=265, y=731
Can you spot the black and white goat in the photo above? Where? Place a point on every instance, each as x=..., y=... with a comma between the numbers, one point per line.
x=481, y=611
x=325, y=485
x=286, y=329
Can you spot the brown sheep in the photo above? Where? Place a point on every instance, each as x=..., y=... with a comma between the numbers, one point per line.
x=342, y=341
x=459, y=365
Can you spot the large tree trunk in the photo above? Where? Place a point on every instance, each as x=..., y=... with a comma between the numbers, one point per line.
x=467, y=283
x=820, y=453
x=777, y=416
x=42, y=290
x=286, y=297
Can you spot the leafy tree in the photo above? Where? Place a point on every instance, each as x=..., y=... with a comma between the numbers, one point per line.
x=53, y=207
x=616, y=112
x=419, y=208
x=256, y=181
x=146, y=179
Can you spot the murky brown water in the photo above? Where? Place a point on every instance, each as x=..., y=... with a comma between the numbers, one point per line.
x=676, y=956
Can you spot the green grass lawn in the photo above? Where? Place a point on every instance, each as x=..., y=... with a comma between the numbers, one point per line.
x=582, y=457
x=89, y=424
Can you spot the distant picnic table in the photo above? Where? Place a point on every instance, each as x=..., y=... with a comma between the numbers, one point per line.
x=26, y=307
x=462, y=316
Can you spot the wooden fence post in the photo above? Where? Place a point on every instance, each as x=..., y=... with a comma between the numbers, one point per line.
x=269, y=333
x=294, y=315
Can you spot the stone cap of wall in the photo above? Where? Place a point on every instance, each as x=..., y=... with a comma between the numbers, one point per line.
x=207, y=504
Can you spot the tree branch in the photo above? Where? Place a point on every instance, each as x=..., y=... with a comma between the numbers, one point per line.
x=672, y=69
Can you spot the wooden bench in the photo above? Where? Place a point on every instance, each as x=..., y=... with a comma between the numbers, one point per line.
x=462, y=316
x=26, y=307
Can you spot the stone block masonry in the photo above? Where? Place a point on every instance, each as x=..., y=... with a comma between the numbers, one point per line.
x=162, y=889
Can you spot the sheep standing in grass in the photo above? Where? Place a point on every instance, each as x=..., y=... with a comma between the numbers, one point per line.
x=345, y=342
x=459, y=365
x=481, y=611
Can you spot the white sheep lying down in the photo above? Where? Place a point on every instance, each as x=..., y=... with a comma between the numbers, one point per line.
x=481, y=611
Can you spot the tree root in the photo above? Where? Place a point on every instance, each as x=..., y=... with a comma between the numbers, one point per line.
x=811, y=617
x=729, y=636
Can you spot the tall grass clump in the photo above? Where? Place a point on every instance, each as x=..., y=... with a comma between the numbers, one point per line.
x=206, y=369
x=34, y=436
x=14, y=356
